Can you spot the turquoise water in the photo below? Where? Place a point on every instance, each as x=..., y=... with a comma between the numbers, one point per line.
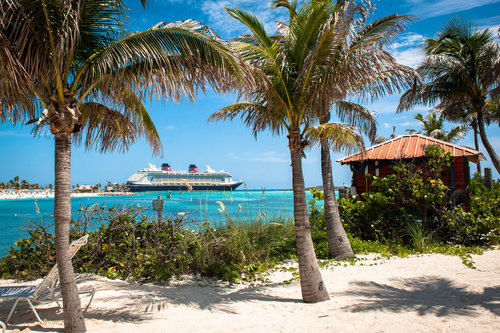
x=200, y=206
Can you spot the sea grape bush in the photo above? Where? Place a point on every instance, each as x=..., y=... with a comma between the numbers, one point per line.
x=414, y=207
x=481, y=224
x=31, y=258
x=126, y=244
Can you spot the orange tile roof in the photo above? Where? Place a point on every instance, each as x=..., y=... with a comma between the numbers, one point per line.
x=410, y=146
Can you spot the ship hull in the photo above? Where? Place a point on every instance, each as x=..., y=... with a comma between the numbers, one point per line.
x=183, y=188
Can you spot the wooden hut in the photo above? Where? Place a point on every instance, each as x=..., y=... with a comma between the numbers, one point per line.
x=380, y=159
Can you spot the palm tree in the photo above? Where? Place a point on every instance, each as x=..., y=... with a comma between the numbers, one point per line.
x=71, y=68
x=433, y=126
x=348, y=57
x=464, y=116
x=285, y=101
x=461, y=70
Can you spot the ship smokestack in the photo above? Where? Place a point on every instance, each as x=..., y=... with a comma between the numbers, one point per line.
x=193, y=168
x=166, y=167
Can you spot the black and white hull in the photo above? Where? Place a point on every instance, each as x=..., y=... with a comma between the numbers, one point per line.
x=163, y=179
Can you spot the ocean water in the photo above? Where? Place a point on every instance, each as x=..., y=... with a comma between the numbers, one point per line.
x=199, y=206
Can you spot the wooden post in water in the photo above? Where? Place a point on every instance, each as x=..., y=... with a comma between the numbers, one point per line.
x=158, y=207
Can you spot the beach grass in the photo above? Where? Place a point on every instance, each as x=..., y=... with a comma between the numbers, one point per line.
x=134, y=247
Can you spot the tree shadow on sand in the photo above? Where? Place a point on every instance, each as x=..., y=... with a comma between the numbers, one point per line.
x=426, y=295
x=117, y=301
x=150, y=298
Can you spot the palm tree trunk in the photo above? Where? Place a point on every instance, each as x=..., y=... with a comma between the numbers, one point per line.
x=484, y=139
x=338, y=243
x=73, y=316
x=476, y=145
x=311, y=282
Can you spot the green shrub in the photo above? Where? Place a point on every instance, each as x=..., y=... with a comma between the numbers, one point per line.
x=31, y=257
x=412, y=207
x=125, y=244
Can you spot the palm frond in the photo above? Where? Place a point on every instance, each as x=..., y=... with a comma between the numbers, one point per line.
x=107, y=129
x=357, y=116
x=461, y=67
x=97, y=27
x=253, y=115
x=457, y=133
x=340, y=137
x=172, y=61
x=290, y=5
x=381, y=31
x=252, y=23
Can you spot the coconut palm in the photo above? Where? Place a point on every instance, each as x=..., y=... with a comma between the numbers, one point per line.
x=464, y=116
x=347, y=57
x=433, y=126
x=70, y=66
x=461, y=70
x=288, y=70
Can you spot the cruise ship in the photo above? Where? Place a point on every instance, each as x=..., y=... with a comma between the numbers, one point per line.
x=154, y=179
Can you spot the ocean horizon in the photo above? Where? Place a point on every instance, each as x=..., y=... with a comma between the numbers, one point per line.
x=240, y=205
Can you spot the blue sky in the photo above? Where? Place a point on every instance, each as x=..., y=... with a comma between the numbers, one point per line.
x=188, y=138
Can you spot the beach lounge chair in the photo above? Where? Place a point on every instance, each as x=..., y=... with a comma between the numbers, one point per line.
x=46, y=291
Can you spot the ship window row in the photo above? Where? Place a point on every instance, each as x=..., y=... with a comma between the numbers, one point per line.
x=190, y=179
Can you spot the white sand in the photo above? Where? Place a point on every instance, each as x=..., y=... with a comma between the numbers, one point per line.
x=428, y=293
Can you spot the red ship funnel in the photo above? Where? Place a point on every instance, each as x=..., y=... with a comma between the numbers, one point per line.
x=166, y=167
x=193, y=168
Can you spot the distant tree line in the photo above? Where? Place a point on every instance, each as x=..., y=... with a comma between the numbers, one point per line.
x=14, y=183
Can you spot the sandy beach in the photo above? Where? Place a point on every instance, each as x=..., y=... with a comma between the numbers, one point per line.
x=427, y=293
x=40, y=194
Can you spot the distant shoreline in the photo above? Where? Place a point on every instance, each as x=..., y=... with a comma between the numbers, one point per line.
x=42, y=194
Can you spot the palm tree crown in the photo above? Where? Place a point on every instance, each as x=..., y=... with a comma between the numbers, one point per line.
x=77, y=54
x=433, y=126
x=461, y=71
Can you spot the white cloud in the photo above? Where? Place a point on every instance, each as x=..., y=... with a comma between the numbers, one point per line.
x=490, y=23
x=408, y=49
x=487, y=22
x=227, y=26
x=169, y=127
x=410, y=57
x=410, y=39
x=270, y=156
x=433, y=8
x=410, y=123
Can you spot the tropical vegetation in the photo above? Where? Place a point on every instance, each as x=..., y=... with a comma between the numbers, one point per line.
x=323, y=54
x=460, y=73
x=417, y=208
x=433, y=126
x=127, y=243
x=71, y=69
x=14, y=183
x=278, y=104
x=346, y=57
